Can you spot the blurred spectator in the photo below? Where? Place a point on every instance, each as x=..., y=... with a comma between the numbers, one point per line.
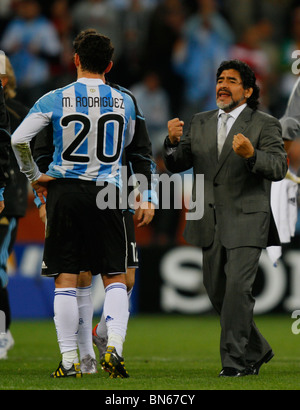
x=31, y=42
x=206, y=38
x=61, y=18
x=251, y=49
x=289, y=44
x=242, y=14
x=134, y=26
x=165, y=27
x=100, y=15
x=125, y=4
x=276, y=11
x=154, y=102
x=294, y=156
x=6, y=10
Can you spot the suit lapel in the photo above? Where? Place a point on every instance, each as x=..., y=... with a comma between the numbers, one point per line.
x=239, y=126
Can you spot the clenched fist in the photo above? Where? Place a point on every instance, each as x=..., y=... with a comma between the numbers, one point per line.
x=242, y=146
x=175, y=128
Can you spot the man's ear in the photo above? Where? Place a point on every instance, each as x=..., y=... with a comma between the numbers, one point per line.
x=76, y=60
x=109, y=67
x=248, y=92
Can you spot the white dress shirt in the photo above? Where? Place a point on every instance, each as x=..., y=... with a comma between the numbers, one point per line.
x=233, y=116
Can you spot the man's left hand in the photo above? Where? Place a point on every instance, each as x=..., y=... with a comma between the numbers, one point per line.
x=242, y=146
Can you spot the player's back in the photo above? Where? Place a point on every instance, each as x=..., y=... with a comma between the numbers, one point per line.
x=92, y=122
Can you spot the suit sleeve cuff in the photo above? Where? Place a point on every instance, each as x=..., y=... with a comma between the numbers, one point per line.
x=251, y=161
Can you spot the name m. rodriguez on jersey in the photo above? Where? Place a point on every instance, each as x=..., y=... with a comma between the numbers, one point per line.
x=82, y=101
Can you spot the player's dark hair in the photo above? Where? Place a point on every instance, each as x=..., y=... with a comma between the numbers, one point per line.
x=247, y=76
x=95, y=51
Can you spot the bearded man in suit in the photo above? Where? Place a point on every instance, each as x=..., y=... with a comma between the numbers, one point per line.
x=240, y=151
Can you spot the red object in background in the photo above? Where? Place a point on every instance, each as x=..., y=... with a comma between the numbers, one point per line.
x=31, y=228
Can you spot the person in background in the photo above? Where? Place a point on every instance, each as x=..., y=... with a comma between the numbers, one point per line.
x=7, y=224
x=32, y=44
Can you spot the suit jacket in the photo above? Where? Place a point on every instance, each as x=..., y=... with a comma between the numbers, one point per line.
x=236, y=192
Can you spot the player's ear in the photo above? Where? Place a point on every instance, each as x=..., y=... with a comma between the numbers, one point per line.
x=76, y=60
x=109, y=67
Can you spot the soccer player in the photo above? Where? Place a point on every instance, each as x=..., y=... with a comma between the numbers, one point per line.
x=92, y=123
x=42, y=154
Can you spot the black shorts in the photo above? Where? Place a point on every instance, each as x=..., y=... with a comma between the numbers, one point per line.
x=132, y=253
x=79, y=236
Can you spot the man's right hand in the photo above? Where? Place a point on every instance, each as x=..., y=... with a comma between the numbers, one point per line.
x=40, y=186
x=175, y=128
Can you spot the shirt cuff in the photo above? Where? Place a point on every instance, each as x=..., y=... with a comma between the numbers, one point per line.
x=37, y=202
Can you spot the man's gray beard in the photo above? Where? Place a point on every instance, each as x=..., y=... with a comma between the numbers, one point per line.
x=229, y=107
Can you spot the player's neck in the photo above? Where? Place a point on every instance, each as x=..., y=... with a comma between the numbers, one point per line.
x=87, y=74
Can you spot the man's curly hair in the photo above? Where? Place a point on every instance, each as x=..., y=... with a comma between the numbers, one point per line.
x=247, y=76
x=95, y=51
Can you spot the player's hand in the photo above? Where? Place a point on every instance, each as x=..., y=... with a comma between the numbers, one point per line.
x=242, y=146
x=42, y=212
x=145, y=213
x=1, y=206
x=40, y=186
x=175, y=129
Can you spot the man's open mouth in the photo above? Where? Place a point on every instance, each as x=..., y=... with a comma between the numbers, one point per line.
x=224, y=94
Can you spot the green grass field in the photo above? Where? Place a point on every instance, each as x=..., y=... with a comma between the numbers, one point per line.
x=161, y=353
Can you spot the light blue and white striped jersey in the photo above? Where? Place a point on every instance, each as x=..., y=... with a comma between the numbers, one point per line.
x=92, y=123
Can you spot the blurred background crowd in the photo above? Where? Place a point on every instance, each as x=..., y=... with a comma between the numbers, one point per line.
x=166, y=51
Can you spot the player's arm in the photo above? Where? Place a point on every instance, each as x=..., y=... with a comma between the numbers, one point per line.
x=34, y=122
x=4, y=146
x=139, y=155
x=138, y=152
x=42, y=151
x=42, y=148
